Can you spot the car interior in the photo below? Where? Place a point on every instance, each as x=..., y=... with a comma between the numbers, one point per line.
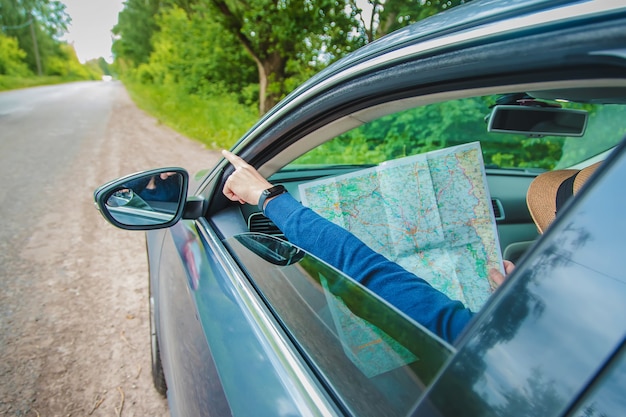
x=512, y=158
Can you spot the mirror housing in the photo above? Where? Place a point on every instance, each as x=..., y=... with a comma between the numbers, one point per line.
x=194, y=208
x=537, y=121
x=147, y=200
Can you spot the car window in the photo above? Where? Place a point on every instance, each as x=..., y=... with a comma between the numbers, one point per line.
x=606, y=398
x=450, y=123
x=373, y=358
x=551, y=328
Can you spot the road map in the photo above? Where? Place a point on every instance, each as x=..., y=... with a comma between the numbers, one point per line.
x=430, y=213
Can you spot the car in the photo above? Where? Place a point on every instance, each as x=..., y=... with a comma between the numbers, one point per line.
x=246, y=323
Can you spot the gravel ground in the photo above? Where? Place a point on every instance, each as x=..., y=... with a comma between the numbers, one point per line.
x=74, y=301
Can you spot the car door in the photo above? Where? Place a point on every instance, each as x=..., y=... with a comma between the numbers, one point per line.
x=260, y=327
x=193, y=384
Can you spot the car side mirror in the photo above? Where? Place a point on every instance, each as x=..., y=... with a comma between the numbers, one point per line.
x=147, y=200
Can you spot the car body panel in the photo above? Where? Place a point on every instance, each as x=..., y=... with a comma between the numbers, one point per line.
x=187, y=360
x=606, y=395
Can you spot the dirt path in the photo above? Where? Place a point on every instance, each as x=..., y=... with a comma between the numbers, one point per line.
x=77, y=341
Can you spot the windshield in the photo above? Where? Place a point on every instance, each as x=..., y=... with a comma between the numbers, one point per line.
x=450, y=123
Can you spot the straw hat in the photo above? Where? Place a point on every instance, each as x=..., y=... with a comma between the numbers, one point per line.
x=549, y=191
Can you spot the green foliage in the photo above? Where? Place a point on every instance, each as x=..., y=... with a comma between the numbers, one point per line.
x=98, y=67
x=48, y=16
x=29, y=43
x=37, y=26
x=217, y=121
x=8, y=82
x=134, y=29
x=66, y=64
x=194, y=53
x=219, y=46
x=12, y=57
x=390, y=15
x=602, y=133
x=254, y=53
x=104, y=66
x=285, y=38
x=411, y=132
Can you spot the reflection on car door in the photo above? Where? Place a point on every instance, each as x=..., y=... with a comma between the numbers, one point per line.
x=193, y=382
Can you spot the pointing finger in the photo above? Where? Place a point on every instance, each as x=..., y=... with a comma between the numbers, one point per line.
x=233, y=159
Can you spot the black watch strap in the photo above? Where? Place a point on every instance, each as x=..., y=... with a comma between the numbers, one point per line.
x=270, y=192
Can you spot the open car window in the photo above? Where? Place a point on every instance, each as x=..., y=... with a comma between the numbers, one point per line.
x=377, y=360
x=455, y=122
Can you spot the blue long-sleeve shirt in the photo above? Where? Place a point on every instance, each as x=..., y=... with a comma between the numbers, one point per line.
x=341, y=249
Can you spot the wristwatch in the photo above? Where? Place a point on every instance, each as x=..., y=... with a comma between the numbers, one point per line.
x=269, y=193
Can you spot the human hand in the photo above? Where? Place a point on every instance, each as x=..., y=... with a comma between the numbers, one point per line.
x=166, y=175
x=245, y=184
x=497, y=277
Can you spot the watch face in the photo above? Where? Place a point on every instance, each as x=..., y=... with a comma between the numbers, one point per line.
x=278, y=189
x=270, y=192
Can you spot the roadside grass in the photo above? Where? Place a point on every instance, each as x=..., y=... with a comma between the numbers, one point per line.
x=218, y=122
x=8, y=82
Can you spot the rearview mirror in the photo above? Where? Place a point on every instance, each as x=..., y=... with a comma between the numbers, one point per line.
x=537, y=121
x=148, y=200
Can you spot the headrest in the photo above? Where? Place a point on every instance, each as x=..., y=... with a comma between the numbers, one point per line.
x=549, y=191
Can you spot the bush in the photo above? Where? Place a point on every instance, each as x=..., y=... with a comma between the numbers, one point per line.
x=12, y=58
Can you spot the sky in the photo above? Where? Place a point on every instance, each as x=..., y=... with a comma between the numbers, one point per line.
x=90, y=30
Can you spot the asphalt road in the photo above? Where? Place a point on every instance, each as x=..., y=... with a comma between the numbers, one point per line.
x=73, y=289
x=41, y=133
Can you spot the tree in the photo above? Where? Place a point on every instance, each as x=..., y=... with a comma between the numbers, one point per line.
x=37, y=25
x=285, y=37
x=194, y=53
x=282, y=35
x=66, y=64
x=135, y=26
x=287, y=40
x=378, y=18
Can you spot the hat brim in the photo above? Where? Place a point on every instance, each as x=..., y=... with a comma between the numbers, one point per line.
x=541, y=196
x=542, y=192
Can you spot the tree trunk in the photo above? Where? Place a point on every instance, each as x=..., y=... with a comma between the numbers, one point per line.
x=271, y=70
x=263, y=83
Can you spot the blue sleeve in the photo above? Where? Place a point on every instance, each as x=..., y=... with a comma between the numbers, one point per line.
x=341, y=249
